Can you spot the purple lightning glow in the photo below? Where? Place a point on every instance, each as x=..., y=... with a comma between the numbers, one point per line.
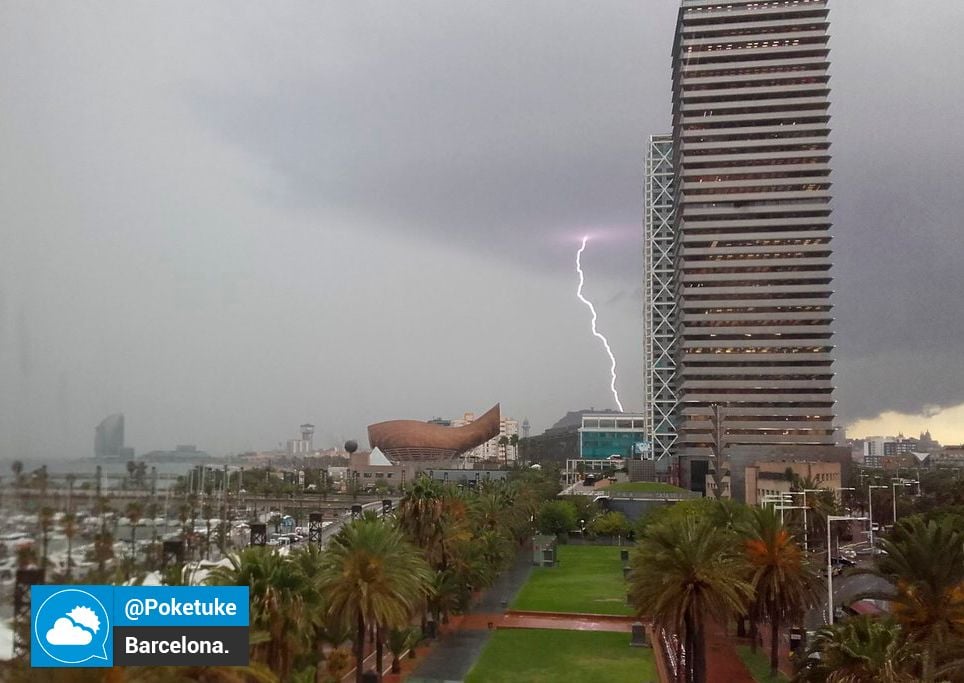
x=595, y=332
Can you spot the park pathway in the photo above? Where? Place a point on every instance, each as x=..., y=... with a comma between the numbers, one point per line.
x=459, y=646
x=457, y=650
x=723, y=663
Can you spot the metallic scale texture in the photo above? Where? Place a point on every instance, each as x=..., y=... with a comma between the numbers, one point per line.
x=415, y=441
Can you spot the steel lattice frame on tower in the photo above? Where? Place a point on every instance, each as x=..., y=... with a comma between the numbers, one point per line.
x=659, y=299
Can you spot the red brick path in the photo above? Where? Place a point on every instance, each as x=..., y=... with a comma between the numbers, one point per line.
x=723, y=664
x=563, y=622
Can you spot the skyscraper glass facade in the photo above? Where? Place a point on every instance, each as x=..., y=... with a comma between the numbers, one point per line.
x=751, y=222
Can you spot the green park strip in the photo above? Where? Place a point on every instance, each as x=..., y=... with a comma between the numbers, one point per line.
x=588, y=579
x=759, y=665
x=541, y=656
x=642, y=487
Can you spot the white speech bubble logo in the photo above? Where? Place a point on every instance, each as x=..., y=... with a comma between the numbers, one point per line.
x=70, y=629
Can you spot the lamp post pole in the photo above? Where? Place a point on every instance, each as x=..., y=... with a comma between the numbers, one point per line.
x=806, y=541
x=781, y=508
x=840, y=490
x=833, y=518
x=870, y=505
x=893, y=484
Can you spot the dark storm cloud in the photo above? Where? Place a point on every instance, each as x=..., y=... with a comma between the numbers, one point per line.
x=494, y=126
x=519, y=132
x=898, y=173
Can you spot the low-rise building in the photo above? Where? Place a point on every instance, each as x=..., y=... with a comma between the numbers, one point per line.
x=949, y=456
x=501, y=448
x=366, y=469
x=776, y=477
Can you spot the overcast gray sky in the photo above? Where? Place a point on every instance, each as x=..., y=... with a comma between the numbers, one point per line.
x=226, y=218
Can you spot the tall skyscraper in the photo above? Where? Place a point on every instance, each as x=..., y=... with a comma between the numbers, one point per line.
x=751, y=224
x=109, y=437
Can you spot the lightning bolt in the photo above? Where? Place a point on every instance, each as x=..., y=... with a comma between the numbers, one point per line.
x=595, y=332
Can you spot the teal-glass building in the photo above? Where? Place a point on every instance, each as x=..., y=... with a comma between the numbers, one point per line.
x=605, y=435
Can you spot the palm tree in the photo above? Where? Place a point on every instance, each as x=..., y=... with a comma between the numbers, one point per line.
x=324, y=628
x=436, y=520
x=420, y=512
x=445, y=595
x=487, y=509
x=783, y=584
x=514, y=442
x=46, y=520
x=185, y=514
x=820, y=502
x=140, y=473
x=69, y=526
x=399, y=640
x=152, y=511
x=26, y=555
x=254, y=673
x=20, y=671
x=504, y=445
x=924, y=562
x=103, y=546
x=135, y=510
x=71, y=479
x=282, y=599
x=859, y=650
x=372, y=575
x=43, y=479
x=684, y=572
x=17, y=468
x=207, y=511
x=338, y=663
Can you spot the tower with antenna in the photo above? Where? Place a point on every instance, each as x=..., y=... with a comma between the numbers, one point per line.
x=525, y=428
x=307, y=435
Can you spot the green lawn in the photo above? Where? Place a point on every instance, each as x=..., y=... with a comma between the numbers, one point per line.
x=588, y=579
x=543, y=656
x=759, y=664
x=643, y=487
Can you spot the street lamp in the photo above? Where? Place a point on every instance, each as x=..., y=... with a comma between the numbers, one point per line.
x=834, y=518
x=773, y=499
x=839, y=491
x=870, y=504
x=893, y=484
x=781, y=508
x=804, y=507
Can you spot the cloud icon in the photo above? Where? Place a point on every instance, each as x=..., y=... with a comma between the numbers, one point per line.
x=65, y=632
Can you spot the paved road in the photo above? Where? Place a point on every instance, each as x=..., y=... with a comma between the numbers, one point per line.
x=845, y=589
x=456, y=652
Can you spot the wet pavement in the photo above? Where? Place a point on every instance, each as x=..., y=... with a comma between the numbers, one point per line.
x=458, y=649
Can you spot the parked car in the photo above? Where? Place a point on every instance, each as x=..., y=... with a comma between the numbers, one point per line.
x=871, y=551
x=843, y=562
